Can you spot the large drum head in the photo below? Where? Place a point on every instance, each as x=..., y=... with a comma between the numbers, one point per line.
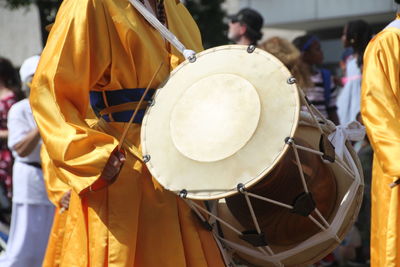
x=219, y=122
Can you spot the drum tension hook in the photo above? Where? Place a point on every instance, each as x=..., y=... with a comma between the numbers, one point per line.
x=146, y=158
x=192, y=59
x=291, y=80
x=241, y=188
x=251, y=48
x=183, y=193
x=289, y=140
x=253, y=238
x=304, y=204
x=326, y=147
x=151, y=102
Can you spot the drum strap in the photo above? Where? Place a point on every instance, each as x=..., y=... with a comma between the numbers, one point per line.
x=122, y=107
x=118, y=105
x=167, y=34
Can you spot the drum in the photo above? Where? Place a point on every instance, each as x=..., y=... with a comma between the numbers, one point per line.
x=227, y=129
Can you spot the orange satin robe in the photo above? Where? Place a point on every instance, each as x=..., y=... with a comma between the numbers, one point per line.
x=98, y=45
x=55, y=191
x=380, y=108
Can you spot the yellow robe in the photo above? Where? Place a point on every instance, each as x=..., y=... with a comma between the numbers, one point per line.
x=380, y=107
x=106, y=45
x=55, y=191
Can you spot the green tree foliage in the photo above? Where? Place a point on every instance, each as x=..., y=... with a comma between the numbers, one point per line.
x=47, y=11
x=209, y=17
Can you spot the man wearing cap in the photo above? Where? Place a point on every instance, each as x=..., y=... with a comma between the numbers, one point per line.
x=380, y=109
x=32, y=213
x=245, y=27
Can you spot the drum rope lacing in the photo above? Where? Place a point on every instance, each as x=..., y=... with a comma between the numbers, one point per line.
x=319, y=220
x=312, y=110
x=196, y=207
x=308, y=105
x=247, y=194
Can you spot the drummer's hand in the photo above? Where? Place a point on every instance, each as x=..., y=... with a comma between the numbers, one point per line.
x=64, y=202
x=113, y=165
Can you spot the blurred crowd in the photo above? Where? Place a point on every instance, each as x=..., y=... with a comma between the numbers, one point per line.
x=26, y=214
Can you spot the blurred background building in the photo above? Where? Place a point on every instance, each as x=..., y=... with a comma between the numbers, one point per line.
x=21, y=33
x=324, y=18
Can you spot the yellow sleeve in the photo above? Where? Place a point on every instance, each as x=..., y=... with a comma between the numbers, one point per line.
x=380, y=99
x=54, y=186
x=75, y=58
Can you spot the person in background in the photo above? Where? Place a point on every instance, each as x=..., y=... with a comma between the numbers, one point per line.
x=32, y=213
x=380, y=111
x=10, y=93
x=245, y=27
x=356, y=35
x=289, y=55
x=347, y=53
x=322, y=94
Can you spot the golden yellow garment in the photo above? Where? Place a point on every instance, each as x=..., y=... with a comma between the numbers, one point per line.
x=54, y=186
x=105, y=45
x=380, y=107
x=55, y=191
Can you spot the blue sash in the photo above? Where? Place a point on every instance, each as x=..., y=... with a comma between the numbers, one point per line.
x=118, y=97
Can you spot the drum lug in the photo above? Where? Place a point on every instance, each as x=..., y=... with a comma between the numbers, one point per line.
x=304, y=204
x=192, y=59
x=146, y=158
x=326, y=147
x=291, y=80
x=254, y=238
x=251, y=48
x=289, y=140
x=151, y=102
x=241, y=188
x=183, y=193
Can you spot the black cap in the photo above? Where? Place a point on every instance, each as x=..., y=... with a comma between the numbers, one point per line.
x=253, y=20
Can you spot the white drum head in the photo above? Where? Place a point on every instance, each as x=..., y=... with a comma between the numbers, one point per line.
x=220, y=121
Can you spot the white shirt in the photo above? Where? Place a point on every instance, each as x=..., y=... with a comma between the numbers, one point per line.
x=349, y=98
x=28, y=183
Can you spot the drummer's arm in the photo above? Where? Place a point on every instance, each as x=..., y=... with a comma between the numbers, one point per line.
x=71, y=64
x=28, y=143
